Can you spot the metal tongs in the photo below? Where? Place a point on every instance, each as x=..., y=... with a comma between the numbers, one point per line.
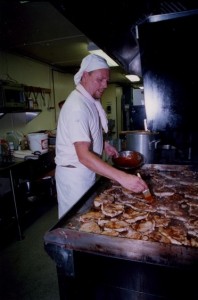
x=146, y=193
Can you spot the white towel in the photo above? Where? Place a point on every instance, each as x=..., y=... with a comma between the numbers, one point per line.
x=100, y=109
x=102, y=114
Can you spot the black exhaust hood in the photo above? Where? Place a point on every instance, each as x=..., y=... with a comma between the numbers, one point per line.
x=113, y=28
x=110, y=28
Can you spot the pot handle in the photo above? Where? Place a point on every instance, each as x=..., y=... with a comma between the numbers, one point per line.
x=155, y=142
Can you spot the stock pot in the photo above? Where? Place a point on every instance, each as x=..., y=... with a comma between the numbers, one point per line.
x=144, y=142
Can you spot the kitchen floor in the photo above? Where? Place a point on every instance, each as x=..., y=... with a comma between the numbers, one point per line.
x=26, y=270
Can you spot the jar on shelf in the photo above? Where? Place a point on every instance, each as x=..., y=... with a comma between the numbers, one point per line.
x=11, y=137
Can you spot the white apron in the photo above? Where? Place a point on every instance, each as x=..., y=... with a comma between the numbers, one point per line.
x=73, y=183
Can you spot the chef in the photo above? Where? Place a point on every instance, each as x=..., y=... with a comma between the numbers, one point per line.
x=79, y=140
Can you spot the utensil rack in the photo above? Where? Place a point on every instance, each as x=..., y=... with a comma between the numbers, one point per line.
x=35, y=89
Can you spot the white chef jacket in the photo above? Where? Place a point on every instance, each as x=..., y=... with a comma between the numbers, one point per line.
x=78, y=121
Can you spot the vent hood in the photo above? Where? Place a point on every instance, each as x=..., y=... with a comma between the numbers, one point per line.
x=114, y=29
x=53, y=33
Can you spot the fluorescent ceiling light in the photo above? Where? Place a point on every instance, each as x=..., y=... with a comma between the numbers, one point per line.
x=133, y=78
x=93, y=48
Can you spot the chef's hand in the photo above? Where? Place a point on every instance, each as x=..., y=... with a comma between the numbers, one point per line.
x=133, y=183
x=110, y=150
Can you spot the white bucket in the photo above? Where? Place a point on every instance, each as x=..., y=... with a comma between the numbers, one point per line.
x=38, y=142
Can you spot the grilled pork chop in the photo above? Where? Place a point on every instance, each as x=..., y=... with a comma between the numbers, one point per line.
x=171, y=218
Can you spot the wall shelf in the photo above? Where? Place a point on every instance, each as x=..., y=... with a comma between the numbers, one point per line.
x=35, y=89
x=29, y=113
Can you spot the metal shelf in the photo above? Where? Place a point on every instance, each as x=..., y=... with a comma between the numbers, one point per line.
x=30, y=113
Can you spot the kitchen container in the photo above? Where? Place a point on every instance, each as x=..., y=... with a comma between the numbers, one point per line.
x=38, y=142
x=144, y=142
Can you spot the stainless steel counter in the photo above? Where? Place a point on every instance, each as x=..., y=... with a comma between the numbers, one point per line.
x=13, y=197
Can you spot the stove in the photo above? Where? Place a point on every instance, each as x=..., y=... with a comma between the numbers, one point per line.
x=97, y=266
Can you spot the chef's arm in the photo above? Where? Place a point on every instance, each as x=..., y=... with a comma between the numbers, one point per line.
x=97, y=165
x=109, y=149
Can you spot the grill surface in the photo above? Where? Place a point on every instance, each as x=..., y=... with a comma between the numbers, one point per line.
x=94, y=266
x=66, y=232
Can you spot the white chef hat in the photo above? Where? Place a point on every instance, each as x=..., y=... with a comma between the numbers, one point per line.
x=90, y=63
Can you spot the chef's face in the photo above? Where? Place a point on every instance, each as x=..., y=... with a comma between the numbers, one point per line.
x=96, y=82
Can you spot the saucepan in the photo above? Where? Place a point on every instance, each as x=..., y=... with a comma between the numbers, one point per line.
x=128, y=159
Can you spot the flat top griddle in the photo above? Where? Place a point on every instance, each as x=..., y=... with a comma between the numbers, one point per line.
x=66, y=235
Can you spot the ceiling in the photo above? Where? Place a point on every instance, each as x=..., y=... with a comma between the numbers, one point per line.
x=39, y=31
x=44, y=31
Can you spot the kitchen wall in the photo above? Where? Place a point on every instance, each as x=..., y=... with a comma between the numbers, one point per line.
x=111, y=102
x=33, y=73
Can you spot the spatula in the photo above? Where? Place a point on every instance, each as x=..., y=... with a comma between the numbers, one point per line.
x=146, y=193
